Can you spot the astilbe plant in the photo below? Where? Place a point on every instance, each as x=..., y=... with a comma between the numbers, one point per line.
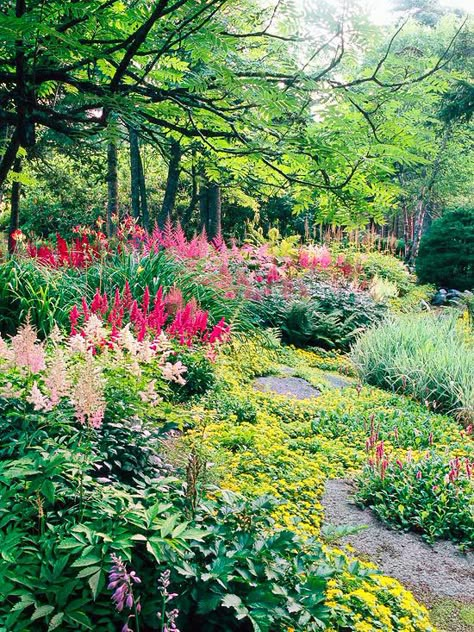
x=151, y=316
x=84, y=250
x=73, y=371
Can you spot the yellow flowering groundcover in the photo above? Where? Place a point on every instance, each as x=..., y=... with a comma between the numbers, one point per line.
x=288, y=448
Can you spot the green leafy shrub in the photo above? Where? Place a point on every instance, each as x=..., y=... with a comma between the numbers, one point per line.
x=446, y=255
x=328, y=316
x=430, y=496
x=230, y=568
x=428, y=356
x=227, y=405
x=386, y=266
x=200, y=375
x=417, y=299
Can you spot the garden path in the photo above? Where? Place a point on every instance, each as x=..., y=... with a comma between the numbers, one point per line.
x=291, y=386
x=435, y=574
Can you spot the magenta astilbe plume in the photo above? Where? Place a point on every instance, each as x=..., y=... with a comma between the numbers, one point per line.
x=148, y=318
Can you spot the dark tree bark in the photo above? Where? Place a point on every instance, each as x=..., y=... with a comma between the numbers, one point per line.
x=112, y=185
x=172, y=182
x=215, y=211
x=204, y=207
x=137, y=181
x=15, y=208
x=211, y=209
x=134, y=172
x=143, y=197
x=193, y=199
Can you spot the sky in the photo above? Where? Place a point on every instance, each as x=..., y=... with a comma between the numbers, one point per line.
x=380, y=10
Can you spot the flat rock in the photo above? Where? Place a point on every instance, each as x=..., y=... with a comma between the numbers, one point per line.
x=440, y=569
x=336, y=381
x=290, y=386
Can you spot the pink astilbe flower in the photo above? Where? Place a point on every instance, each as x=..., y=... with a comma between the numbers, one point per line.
x=324, y=257
x=27, y=351
x=57, y=380
x=8, y=391
x=88, y=398
x=5, y=352
x=39, y=401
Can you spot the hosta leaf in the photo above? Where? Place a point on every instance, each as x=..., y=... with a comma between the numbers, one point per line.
x=56, y=621
x=41, y=612
x=96, y=582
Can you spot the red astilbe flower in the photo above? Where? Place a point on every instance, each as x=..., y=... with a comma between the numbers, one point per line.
x=168, y=314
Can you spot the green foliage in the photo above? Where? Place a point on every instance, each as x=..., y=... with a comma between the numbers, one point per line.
x=446, y=256
x=330, y=316
x=419, y=496
x=417, y=299
x=428, y=356
x=231, y=406
x=67, y=190
x=72, y=496
x=200, y=375
x=394, y=419
x=385, y=266
x=245, y=574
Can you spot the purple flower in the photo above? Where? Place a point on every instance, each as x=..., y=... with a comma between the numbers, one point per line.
x=168, y=619
x=121, y=582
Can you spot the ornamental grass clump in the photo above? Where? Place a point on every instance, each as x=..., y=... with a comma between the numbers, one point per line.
x=427, y=356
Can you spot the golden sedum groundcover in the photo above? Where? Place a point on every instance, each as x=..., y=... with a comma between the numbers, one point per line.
x=279, y=450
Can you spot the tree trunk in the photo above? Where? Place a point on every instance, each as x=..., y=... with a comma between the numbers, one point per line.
x=172, y=182
x=418, y=223
x=193, y=200
x=204, y=207
x=134, y=172
x=15, y=208
x=143, y=197
x=211, y=209
x=215, y=211
x=112, y=186
x=424, y=198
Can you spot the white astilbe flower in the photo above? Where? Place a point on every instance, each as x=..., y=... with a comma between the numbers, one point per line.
x=88, y=399
x=149, y=394
x=127, y=341
x=145, y=352
x=56, y=337
x=94, y=331
x=174, y=372
x=78, y=344
x=161, y=343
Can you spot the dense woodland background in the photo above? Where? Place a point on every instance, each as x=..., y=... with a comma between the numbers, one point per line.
x=233, y=116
